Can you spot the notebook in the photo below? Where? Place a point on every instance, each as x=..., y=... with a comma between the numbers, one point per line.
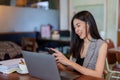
x=44, y=66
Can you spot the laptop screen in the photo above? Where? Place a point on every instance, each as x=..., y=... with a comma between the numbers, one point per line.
x=41, y=65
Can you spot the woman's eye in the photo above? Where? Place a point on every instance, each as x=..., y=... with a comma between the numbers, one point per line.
x=78, y=26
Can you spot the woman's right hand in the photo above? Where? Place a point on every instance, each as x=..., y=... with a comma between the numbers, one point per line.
x=61, y=67
x=60, y=58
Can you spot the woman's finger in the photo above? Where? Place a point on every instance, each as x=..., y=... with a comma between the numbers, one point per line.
x=55, y=54
x=57, y=51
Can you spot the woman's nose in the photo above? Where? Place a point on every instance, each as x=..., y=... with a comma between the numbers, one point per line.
x=76, y=30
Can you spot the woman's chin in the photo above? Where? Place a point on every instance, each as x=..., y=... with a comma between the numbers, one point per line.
x=82, y=37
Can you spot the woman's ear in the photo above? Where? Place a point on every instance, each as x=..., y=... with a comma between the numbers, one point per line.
x=87, y=27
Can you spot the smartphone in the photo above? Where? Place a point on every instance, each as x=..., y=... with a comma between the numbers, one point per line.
x=50, y=51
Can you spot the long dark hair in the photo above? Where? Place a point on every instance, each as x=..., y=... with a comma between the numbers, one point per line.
x=76, y=42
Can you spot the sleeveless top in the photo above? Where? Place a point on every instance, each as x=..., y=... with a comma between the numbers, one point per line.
x=80, y=61
x=91, y=54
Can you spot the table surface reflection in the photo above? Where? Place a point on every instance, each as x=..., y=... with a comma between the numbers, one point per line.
x=16, y=76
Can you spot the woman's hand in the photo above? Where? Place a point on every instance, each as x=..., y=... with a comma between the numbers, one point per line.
x=60, y=58
x=61, y=67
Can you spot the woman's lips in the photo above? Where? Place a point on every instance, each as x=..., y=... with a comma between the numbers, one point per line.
x=79, y=34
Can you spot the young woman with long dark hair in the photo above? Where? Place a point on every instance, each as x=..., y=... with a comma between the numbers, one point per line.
x=88, y=49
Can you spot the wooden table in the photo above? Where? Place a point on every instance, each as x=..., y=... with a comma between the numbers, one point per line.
x=16, y=76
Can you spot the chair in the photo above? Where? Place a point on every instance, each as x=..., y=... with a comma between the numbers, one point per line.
x=29, y=44
x=9, y=50
x=112, y=65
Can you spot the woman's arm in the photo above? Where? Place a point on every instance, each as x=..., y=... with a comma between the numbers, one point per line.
x=99, y=64
x=62, y=67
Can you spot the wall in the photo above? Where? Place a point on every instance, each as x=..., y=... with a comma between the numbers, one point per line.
x=17, y=19
x=64, y=15
x=95, y=7
x=110, y=16
x=112, y=20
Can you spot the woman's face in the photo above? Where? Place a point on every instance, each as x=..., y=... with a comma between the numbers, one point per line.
x=80, y=28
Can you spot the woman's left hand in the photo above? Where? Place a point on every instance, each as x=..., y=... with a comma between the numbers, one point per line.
x=60, y=58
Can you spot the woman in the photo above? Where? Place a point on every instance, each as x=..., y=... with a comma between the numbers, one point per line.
x=87, y=47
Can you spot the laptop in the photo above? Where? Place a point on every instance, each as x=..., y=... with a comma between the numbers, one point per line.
x=44, y=66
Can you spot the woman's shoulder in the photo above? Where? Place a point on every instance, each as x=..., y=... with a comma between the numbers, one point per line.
x=101, y=42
